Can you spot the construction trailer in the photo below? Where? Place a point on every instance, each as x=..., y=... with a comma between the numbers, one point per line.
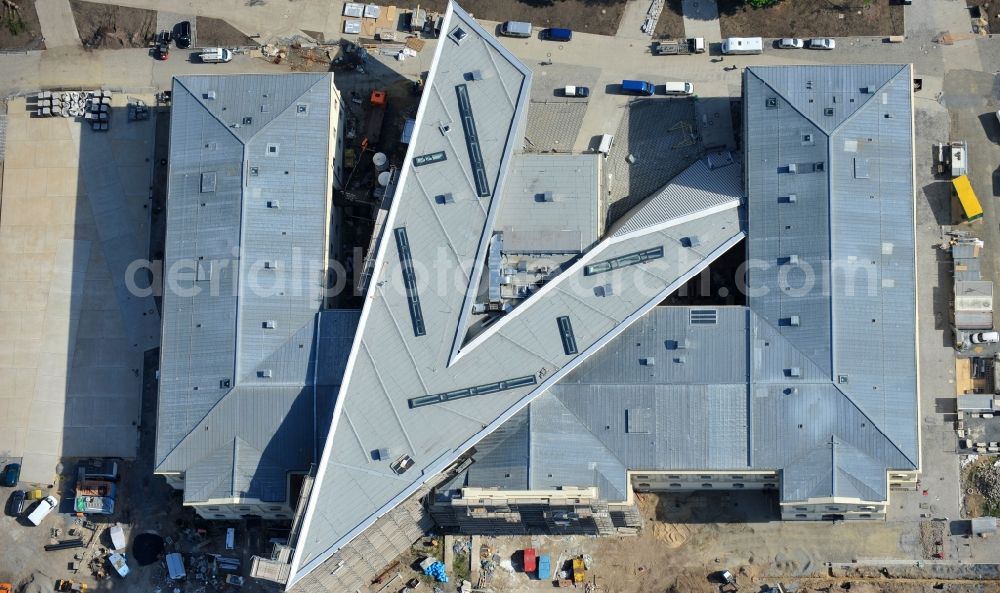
x=971, y=209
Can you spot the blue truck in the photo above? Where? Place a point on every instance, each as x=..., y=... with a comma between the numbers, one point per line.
x=637, y=87
x=544, y=568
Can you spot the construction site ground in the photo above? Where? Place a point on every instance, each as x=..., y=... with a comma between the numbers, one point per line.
x=848, y=18
x=590, y=16
x=689, y=538
x=19, y=27
x=106, y=26
x=219, y=33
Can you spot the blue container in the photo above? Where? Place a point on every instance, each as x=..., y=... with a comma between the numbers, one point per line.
x=544, y=568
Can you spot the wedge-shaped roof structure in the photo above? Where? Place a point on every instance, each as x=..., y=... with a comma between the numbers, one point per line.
x=414, y=386
x=248, y=210
x=816, y=377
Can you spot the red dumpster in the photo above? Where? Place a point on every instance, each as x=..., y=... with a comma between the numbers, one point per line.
x=529, y=560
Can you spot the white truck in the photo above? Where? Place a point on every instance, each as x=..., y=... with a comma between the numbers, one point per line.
x=215, y=55
x=679, y=47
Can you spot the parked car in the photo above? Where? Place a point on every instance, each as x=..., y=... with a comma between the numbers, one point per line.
x=516, y=29
x=11, y=474
x=678, y=88
x=985, y=337
x=16, y=503
x=576, y=91
x=791, y=43
x=822, y=43
x=215, y=55
x=557, y=34
x=42, y=509
x=182, y=34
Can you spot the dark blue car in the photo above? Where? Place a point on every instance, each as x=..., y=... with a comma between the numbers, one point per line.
x=11, y=474
x=557, y=34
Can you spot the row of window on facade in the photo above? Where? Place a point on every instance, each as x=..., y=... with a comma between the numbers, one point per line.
x=709, y=485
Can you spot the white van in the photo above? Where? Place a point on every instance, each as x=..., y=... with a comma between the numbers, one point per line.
x=607, y=141
x=678, y=88
x=743, y=45
x=215, y=55
x=43, y=509
x=516, y=29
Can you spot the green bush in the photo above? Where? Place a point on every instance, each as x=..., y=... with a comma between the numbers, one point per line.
x=762, y=3
x=15, y=25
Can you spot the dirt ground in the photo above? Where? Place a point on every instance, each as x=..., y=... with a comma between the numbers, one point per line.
x=217, y=32
x=812, y=18
x=671, y=23
x=19, y=28
x=106, y=26
x=975, y=476
x=589, y=16
x=989, y=10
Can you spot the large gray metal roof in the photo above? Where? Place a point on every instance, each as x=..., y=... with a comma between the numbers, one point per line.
x=410, y=342
x=570, y=220
x=829, y=398
x=247, y=220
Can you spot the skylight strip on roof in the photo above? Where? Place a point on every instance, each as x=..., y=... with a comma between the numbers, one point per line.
x=566, y=334
x=410, y=281
x=487, y=388
x=472, y=141
x=622, y=261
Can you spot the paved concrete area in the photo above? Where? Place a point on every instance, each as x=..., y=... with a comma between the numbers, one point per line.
x=701, y=19
x=58, y=26
x=630, y=27
x=71, y=337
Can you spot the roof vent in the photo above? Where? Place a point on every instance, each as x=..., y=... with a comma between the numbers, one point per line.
x=607, y=290
x=792, y=321
x=474, y=75
x=272, y=149
x=680, y=359
x=247, y=121
x=791, y=199
x=546, y=197
x=270, y=265
x=225, y=383
x=208, y=182
x=448, y=198
x=841, y=379
x=647, y=361
x=792, y=168
x=771, y=102
x=382, y=454
x=209, y=95
x=792, y=260
x=691, y=241
x=269, y=324
x=791, y=391
x=445, y=128
x=264, y=373
x=301, y=109
x=828, y=111
x=273, y=204
x=703, y=316
x=793, y=372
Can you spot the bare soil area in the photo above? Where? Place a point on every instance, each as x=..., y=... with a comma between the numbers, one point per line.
x=988, y=11
x=219, y=33
x=671, y=23
x=19, y=28
x=106, y=26
x=811, y=18
x=589, y=16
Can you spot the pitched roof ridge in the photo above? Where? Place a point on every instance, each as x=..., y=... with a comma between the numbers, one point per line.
x=791, y=345
x=819, y=126
x=874, y=424
x=197, y=424
x=864, y=105
x=180, y=81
